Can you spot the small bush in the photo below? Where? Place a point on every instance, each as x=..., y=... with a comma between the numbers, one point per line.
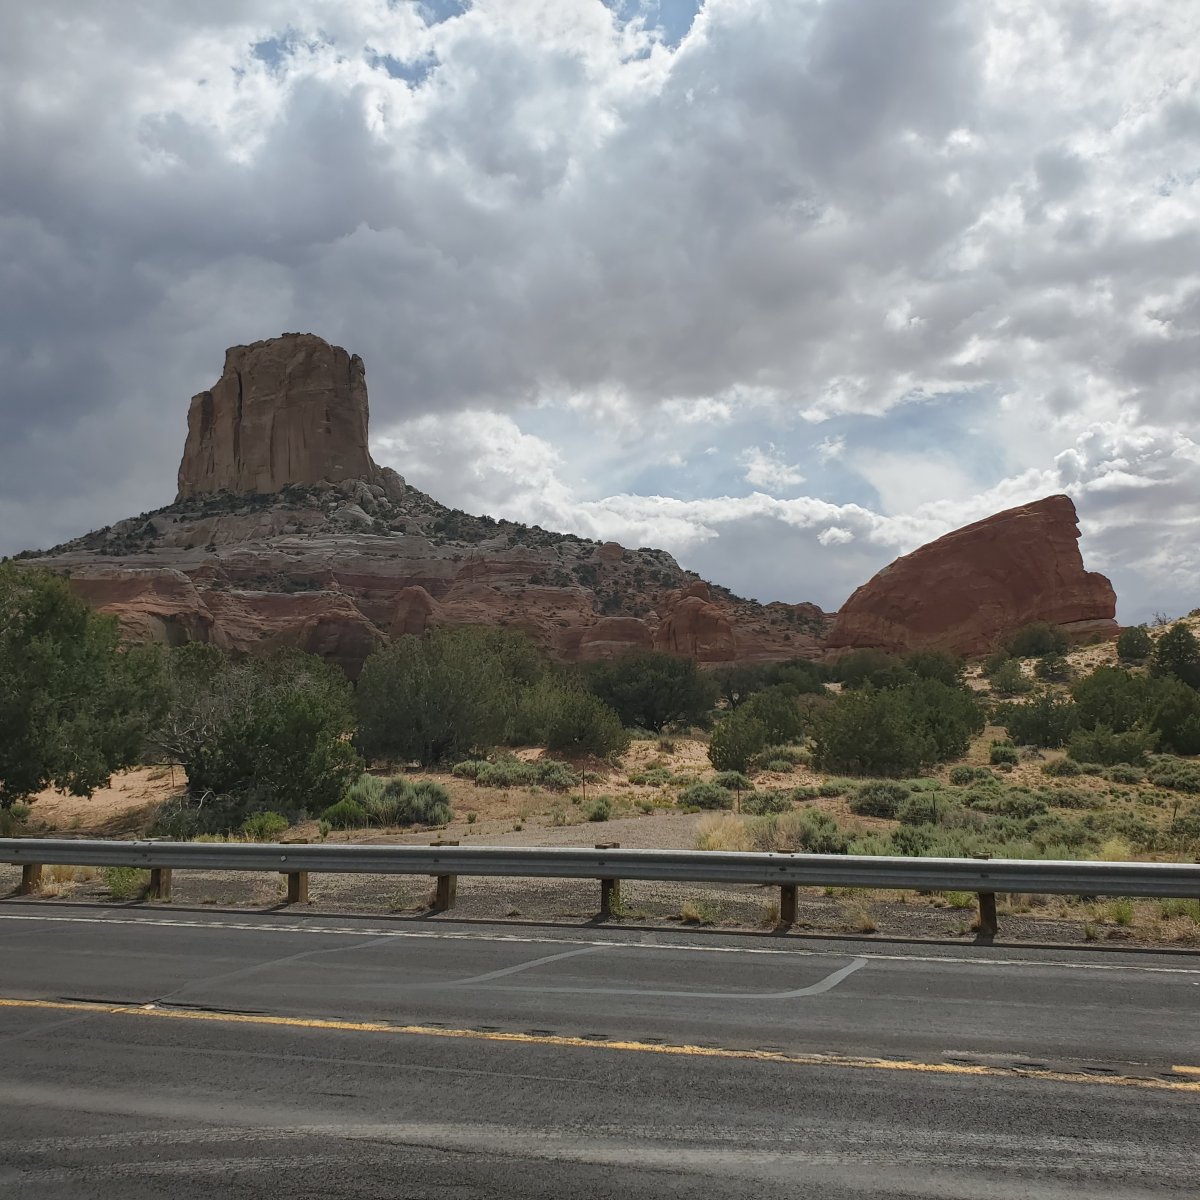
x=1175, y=774
x=1004, y=754
x=927, y=808
x=599, y=810
x=761, y=803
x=426, y=802
x=652, y=777
x=794, y=756
x=809, y=830
x=878, y=799
x=1034, y=641
x=964, y=775
x=125, y=883
x=734, y=781
x=834, y=787
x=345, y=814
x=264, y=826
x=1069, y=797
x=706, y=795
x=1124, y=773
x=1061, y=768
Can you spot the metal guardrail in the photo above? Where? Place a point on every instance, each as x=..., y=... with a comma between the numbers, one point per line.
x=611, y=865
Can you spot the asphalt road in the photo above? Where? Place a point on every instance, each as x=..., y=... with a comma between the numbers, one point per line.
x=150, y=1054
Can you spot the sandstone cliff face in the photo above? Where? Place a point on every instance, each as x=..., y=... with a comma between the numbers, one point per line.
x=967, y=591
x=292, y=410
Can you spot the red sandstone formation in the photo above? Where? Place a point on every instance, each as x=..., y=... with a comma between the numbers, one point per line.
x=286, y=532
x=967, y=591
x=292, y=410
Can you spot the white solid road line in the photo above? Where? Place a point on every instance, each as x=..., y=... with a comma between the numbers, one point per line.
x=268, y=926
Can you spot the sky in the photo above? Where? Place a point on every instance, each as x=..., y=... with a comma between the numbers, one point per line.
x=786, y=287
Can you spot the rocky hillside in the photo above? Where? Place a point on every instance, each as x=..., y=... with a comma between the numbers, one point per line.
x=286, y=532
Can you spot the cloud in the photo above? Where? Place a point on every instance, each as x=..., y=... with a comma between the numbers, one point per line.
x=766, y=468
x=947, y=254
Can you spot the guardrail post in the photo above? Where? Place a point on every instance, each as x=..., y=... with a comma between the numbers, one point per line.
x=610, y=889
x=31, y=879
x=297, y=887
x=787, y=904
x=989, y=923
x=297, y=881
x=160, y=884
x=446, y=890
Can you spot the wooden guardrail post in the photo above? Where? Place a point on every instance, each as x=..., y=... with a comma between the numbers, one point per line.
x=610, y=889
x=989, y=922
x=445, y=891
x=160, y=884
x=297, y=881
x=31, y=879
x=787, y=904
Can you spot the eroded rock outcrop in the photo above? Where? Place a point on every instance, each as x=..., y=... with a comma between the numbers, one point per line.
x=288, y=411
x=967, y=591
x=285, y=532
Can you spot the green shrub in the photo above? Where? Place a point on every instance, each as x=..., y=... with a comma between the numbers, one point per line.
x=706, y=795
x=927, y=808
x=1174, y=773
x=878, y=799
x=1061, y=768
x=1007, y=678
x=761, y=803
x=264, y=826
x=1177, y=653
x=651, y=691
x=1003, y=753
x=125, y=883
x=1069, y=797
x=964, y=775
x=778, y=712
x=736, y=740
x=556, y=776
x=1047, y=720
x=808, y=830
x=780, y=766
x=1036, y=640
x=733, y=781
x=345, y=814
x=1102, y=745
x=1001, y=803
x=599, y=810
x=1124, y=773
x=1053, y=667
x=652, y=777
x=1135, y=644
x=426, y=802
x=912, y=840
x=872, y=733
x=792, y=755
x=581, y=723
x=835, y=787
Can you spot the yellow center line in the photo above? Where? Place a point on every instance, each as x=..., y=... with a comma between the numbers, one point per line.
x=852, y=1062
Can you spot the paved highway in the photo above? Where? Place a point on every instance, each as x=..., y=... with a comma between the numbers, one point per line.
x=152, y=1053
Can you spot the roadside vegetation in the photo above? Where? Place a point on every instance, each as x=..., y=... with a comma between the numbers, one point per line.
x=1040, y=751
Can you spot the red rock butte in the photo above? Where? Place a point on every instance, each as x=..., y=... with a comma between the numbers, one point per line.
x=285, y=412
x=967, y=591
x=286, y=532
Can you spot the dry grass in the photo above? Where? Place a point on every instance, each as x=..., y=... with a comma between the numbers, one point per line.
x=858, y=917
x=722, y=831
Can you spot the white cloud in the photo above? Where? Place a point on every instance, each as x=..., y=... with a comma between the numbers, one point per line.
x=804, y=212
x=767, y=469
